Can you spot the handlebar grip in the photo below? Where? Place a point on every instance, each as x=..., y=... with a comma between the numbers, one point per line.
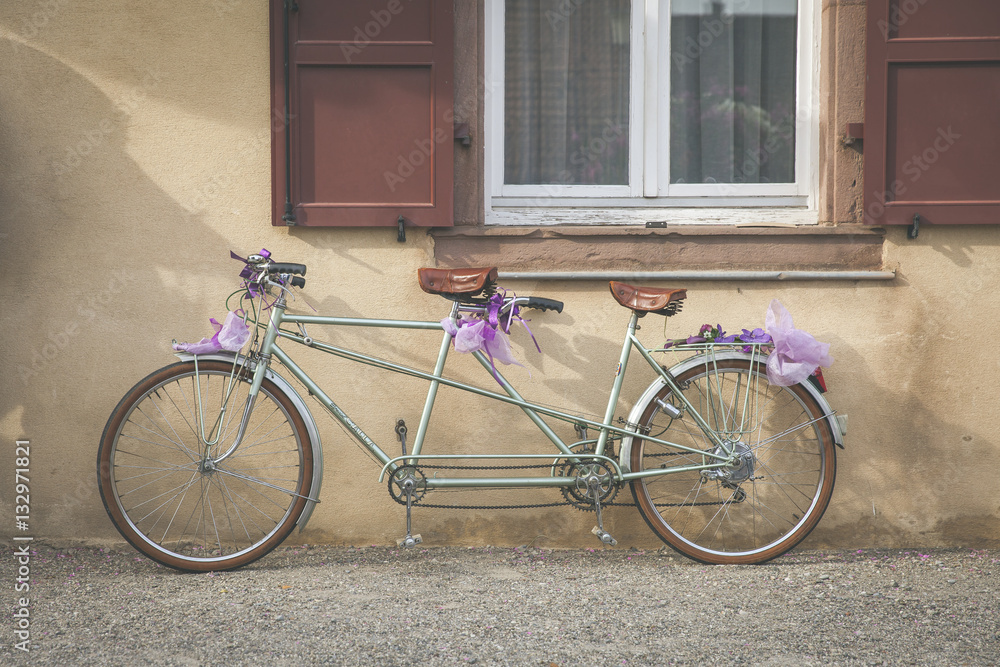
x=285, y=267
x=540, y=303
x=298, y=281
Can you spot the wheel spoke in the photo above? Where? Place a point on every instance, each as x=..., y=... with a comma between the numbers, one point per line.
x=776, y=490
x=190, y=512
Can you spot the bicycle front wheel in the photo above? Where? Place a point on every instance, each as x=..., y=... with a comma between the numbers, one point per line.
x=184, y=503
x=757, y=509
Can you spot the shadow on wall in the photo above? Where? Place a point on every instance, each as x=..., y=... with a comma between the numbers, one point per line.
x=577, y=360
x=914, y=438
x=90, y=247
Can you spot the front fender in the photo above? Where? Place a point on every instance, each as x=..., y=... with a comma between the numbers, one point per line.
x=311, y=430
x=835, y=421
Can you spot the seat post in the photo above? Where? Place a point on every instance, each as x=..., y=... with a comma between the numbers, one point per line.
x=616, y=387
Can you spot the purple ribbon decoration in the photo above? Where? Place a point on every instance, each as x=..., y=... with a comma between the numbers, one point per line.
x=796, y=353
x=793, y=354
x=232, y=335
x=488, y=335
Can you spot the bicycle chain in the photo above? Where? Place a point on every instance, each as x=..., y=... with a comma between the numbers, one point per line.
x=491, y=507
x=569, y=502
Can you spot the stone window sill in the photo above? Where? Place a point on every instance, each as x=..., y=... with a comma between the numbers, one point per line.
x=565, y=248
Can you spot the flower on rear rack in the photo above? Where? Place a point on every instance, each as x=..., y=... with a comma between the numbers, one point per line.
x=756, y=337
x=707, y=334
x=792, y=354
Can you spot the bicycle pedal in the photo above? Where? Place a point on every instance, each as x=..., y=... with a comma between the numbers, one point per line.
x=604, y=536
x=409, y=541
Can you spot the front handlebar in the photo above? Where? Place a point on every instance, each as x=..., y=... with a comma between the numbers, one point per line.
x=286, y=267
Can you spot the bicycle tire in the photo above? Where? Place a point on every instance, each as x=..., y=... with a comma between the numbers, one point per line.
x=789, y=471
x=188, y=516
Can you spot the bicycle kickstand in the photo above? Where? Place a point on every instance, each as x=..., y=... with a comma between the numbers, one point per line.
x=594, y=487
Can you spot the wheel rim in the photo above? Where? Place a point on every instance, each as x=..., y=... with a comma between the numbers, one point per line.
x=205, y=512
x=763, y=505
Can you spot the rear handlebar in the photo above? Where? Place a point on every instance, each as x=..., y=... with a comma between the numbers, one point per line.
x=540, y=303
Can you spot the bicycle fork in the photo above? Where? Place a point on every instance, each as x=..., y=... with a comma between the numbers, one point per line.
x=260, y=371
x=215, y=432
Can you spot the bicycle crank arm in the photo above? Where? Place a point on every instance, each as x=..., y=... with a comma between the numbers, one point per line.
x=594, y=488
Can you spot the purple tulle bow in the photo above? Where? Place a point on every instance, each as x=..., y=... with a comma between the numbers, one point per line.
x=232, y=335
x=488, y=335
x=796, y=354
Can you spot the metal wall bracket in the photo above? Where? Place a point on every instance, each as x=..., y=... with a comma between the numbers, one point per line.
x=854, y=133
x=401, y=229
x=914, y=230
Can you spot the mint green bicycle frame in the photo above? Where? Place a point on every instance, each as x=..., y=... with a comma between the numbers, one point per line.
x=270, y=349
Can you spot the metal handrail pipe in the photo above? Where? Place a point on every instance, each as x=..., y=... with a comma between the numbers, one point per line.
x=697, y=275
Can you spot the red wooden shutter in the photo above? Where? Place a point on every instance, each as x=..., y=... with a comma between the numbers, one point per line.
x=370, y=127
x=932, y=112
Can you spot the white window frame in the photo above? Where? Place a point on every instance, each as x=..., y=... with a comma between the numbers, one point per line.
x=650, y=196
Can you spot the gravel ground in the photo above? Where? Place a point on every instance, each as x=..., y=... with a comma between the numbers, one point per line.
x=503, y=606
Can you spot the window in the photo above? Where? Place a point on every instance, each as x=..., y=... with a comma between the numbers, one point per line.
x=633, y=110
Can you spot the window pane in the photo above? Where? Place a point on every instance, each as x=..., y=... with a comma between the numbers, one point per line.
x=732, y=91
x=566, y=96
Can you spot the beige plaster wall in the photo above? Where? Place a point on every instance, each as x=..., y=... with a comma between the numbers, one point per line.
x=134, y=141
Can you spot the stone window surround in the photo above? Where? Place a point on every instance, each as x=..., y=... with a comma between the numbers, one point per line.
x=840, y=241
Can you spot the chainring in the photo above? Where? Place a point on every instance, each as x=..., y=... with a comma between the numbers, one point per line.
x=400, y=476
x=578, y=495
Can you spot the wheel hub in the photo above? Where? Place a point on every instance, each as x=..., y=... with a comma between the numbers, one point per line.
x=740, y=469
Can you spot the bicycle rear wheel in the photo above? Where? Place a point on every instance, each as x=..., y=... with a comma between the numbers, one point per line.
x=194, y=513
x=751, y=512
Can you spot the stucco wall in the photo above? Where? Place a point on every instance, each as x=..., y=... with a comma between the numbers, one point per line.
x=134, y=139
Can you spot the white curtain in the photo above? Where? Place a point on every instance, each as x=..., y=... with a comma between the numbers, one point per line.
x=566, y=95
x=732, y=94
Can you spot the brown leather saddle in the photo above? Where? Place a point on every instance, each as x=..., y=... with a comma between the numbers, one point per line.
x=457, y=283
x=644, y=300
x=460, y=284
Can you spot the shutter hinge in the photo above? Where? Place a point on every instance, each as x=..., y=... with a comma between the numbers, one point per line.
x=913, y=230
x=401, y=229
